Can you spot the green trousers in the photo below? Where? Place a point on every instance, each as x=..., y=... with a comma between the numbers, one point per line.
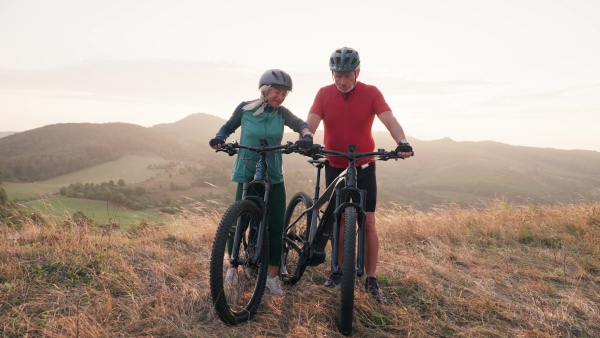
x=277, y=206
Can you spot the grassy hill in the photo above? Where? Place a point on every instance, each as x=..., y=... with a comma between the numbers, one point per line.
x=6, y=133
x=197, y=128
x=43, y=197
x=443, y=171
x=60, y=149
x=502, y=271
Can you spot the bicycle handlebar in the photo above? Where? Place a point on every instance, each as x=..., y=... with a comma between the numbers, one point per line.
x=318, y=151
x=232, y=148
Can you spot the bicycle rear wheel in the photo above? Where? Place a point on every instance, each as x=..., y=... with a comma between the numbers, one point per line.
x=348, y=273
x=237, y=299
x=293, y=262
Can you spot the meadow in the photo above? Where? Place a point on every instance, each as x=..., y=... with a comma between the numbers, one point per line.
x=502, y=270
x=130, y=168
x=101, y=212
x=43, y=197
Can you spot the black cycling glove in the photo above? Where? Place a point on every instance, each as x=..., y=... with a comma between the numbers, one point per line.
x=305, y=143
x=216, y=141
x=404, y=148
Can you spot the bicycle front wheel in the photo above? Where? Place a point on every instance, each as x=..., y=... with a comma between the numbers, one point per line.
x=348, y=272
x=237, y=293
x=293, y=262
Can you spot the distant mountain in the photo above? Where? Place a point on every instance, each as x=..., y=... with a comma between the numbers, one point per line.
x=196, y=128
x=445, y=171
x=59, y=149
x=6, y=133
x=193, y=133
x=478, y=171
x=442, y=170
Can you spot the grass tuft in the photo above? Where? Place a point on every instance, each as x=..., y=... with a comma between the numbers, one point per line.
x=501, y=271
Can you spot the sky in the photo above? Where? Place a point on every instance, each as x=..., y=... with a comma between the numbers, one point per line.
x=519, y=72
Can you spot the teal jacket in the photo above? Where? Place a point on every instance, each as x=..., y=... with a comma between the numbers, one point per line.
x=268, y=125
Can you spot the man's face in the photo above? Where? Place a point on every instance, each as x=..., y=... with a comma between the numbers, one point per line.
x=344, y=81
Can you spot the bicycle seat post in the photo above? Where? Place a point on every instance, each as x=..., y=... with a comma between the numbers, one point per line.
x=318, y=183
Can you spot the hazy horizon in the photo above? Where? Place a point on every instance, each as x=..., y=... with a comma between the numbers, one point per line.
x=516, y=72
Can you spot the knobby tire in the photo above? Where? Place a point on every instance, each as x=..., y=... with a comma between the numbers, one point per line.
x=293, y=260
x=237, y=302
x=348, y=272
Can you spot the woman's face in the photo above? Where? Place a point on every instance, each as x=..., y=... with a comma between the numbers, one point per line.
x=276, y=96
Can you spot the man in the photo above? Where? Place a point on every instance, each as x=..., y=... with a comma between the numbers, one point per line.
x=348, y=108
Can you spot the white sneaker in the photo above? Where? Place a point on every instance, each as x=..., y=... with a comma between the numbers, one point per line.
x=274, y=287
x=231, y=276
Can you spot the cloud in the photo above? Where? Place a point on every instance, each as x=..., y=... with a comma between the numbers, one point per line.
x=130, y=80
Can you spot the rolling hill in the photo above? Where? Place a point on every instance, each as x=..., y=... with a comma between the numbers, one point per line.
x=6, y=133
x=443, y=171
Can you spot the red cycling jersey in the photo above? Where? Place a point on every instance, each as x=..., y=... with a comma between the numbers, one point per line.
x=348, y=118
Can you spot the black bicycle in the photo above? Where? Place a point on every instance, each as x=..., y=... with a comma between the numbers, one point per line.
x=239, y=259
x=310, y=223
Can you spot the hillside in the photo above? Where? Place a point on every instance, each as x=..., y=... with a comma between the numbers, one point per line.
x=197, y=128
x=60, y=149
x=6, y=133
x=442, y=170
x=504, y=271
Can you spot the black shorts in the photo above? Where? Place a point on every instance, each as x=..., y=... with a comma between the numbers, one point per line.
x=367, y=180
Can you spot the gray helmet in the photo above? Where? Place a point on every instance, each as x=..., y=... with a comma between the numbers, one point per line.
x=344, y=59
x=276, y=78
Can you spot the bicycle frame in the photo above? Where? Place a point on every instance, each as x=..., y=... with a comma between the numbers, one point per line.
x=335, y=196
x=260, y=180
x=308, y=234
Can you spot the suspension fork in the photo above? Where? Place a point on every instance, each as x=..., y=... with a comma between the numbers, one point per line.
x=362, y=224
x=240, y=223
x=351, y=185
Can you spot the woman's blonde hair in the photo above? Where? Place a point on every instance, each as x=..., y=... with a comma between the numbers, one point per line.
x=261, y=101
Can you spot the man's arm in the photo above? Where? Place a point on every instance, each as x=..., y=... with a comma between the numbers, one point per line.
x=393, y=126
x=313, y=121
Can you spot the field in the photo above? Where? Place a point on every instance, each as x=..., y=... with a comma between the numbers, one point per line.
x=130, y=168
x=61, y=208
x=43, y=196
x=499, y=271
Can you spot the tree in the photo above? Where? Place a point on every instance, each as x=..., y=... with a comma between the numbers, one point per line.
x=121, y=182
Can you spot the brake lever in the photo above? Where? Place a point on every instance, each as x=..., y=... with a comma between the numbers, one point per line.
x=228, y=148
x=290, y=147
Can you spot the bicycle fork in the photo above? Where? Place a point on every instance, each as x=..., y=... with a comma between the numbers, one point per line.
x=254, y=238
x=338, y=237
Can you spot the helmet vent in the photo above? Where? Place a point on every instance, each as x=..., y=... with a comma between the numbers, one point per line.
x=276, y=76
x=344, y=60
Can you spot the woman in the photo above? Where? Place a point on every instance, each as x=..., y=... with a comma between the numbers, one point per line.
x=265, y=118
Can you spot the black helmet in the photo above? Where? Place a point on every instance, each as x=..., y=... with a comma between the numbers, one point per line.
x=344, y=59
x=276, y=78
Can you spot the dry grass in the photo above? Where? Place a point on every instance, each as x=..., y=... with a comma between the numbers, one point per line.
x=504, y=271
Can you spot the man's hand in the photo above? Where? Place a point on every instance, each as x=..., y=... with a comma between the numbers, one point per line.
x=404, y=150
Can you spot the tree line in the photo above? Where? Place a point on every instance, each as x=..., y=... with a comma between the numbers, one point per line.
x=133, y=198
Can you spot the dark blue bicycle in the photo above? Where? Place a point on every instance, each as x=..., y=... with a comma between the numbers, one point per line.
x=311, y=222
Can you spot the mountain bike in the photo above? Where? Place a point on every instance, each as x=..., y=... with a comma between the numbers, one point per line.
x=310, y=223
x=242, y=242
